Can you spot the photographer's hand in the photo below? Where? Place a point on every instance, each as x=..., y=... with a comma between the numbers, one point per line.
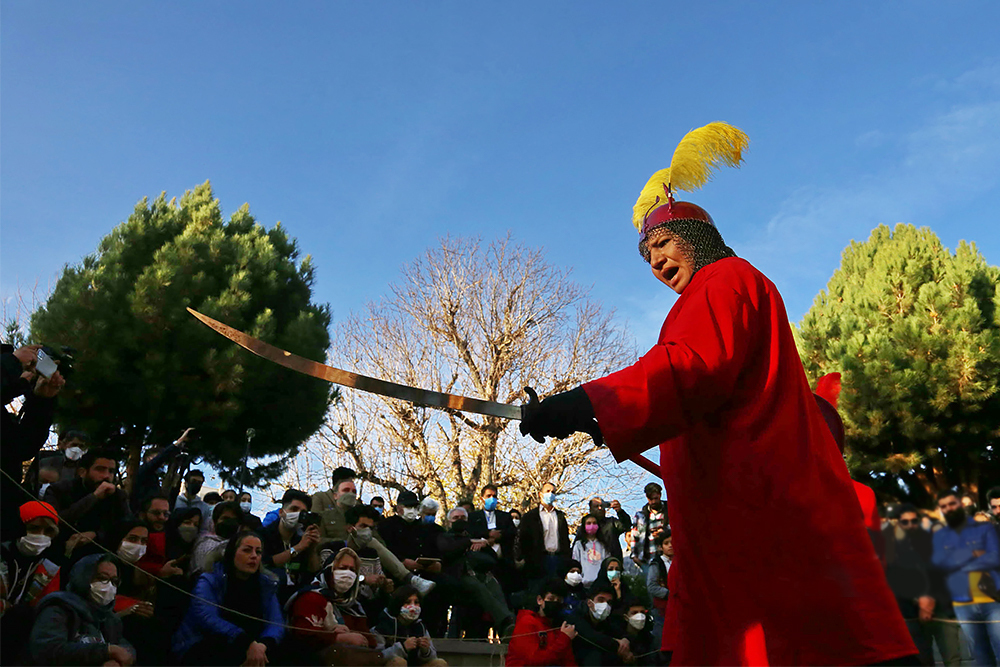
x=27, y=355
x=49, y=387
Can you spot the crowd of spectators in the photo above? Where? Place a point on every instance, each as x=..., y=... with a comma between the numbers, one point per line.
x=92, y=574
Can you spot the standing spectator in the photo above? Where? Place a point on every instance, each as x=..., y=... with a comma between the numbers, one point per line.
x=378, y=504
x=657, y=579
x=646, y=524
x=595, y=643
x=250, y=520
x=290, y=550
x=544, y=536
x=235, y=617
x=78, y=626
x=920, y=592
x=148, y=479
x=497, y=527
x=515, y=518
x=611, y=527
x=50, y=467
x=193, y=481
x=541, y=637
x=331, y=504
x=24, y=434
x=91, y=502
x=229, y=495
x=969, y=555
x=406, y=637
x=589, y=548
x=402, y=532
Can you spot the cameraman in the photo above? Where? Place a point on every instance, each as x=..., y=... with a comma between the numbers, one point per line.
x=289, y=548
x=22, y=434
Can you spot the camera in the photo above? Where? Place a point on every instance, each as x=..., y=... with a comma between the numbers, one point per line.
x=606, y=504
x=49, y=355
x=307, y=519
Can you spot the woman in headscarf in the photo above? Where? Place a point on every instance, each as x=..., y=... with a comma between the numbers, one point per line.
x=612, y=571
x=173, y=597
x=182, y=529
x=78, y=626
x=234, y=617
x=328, y=613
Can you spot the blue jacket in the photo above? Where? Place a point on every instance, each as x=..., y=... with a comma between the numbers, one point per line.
x=204, y=619
x=953, y=555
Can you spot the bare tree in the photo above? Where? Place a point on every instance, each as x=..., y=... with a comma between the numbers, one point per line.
x=484, y=322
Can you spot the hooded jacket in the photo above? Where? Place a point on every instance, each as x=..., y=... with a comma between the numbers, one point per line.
x=396, y=632
x=70, y=629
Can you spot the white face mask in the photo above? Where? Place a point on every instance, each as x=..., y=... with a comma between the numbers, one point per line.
x=637, y=621
x=290, y=519
x=73, y=453
x=600, y=610
x=343, y=580
x=348, y=499
x=34, y=544
x=102, y=593
x=574, y=578
x=363, y=535
x=517, y=523
x=245, y=507
x=410, y=612
x=130, y=552
x=410, y=513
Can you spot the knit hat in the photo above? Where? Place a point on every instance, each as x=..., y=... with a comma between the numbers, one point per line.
x=36, y=508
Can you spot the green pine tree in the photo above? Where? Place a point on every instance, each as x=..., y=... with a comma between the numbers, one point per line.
x=145, y=369
x=915, y=330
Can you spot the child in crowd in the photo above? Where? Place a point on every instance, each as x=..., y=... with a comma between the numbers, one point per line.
x=589, y=549
x=406, y=638
x=541, y=637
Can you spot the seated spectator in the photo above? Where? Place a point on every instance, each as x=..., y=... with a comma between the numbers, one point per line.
x=29, y=570
x=234, y=617
x=636, y=627
x=407, y=640
x=541, y=637
x=250, y=521
x=656, y=578
x=154, y=511
x=50, y=467
x=182, y=535
x=402, y=532
x=330, y=604
x=290, y=551
x=91, y=502
x=612, y=570
x=575, y=593
x=361, y=534
x=229, y=496
x=332, y=504
x=78, y=626
x=595, y=643
x=209, y=547
x=135, y=595
x=378, y=504
x=182, y=531
x=193, y=481
x=589, y=548
x=470, y=561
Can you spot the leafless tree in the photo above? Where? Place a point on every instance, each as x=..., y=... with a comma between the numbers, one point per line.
x=483, y=321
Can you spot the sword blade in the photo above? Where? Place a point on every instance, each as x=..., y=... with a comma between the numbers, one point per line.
x=415, y=395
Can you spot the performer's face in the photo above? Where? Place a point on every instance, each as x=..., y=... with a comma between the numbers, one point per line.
x=669, y=264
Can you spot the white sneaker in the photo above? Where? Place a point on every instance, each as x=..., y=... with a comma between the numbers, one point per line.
x=423, y=586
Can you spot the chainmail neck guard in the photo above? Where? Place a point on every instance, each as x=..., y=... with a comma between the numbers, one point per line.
x=700, y=242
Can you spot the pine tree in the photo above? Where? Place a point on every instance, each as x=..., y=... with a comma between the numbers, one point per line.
x=145, y=369
x=915, y=330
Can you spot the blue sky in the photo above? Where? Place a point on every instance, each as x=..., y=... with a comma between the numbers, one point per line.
x=372, y=129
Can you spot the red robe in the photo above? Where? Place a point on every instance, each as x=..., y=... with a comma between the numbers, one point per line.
x=776, y=562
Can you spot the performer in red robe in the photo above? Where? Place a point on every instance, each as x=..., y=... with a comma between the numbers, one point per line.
x=776, y=565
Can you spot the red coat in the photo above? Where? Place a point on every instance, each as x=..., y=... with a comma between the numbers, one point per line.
x=537, y=642
x=777, y=566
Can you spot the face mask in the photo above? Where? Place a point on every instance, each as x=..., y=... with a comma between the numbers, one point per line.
x=32, y=545
x=410, y=514
x=245, y=507
x=187, y=533
x=410, y=612
x=290, y=519
x=459, y=526
x=428, y=518
x=552, y=608
x=349, y=499
x=130, y=552
x=194, y=487
x=600, y=611
x=102, y=593
x=343, y=580
x=549, y=498
x=378, y=508
x=73, y=453
x=490, y=504
x=574, y=578
x=637, y=621
x=591, y=528
x=517, y=523
x=363, y=536
x=226, y=529
x=613, y=575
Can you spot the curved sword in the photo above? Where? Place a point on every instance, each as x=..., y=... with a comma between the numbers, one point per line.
x=434, y=399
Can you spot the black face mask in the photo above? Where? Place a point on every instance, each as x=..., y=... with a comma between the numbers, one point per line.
x=459, y=526
x=194, y=487
x=226, y=529
x=552, y=608
x=955, y=518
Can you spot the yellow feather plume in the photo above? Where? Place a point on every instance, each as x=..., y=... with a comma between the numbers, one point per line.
x=698, y=154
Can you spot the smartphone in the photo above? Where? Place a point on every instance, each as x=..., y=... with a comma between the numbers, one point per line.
x=606, y=504
x=45, y=365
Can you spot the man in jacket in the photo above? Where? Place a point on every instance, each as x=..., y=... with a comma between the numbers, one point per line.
x=544, y=537
x=332, y=504
x=647, y=525
x=610, y=528
x=969, y=555
x=496, y=526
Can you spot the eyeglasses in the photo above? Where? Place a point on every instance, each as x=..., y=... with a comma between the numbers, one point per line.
x=909, y=522
x=103, y=578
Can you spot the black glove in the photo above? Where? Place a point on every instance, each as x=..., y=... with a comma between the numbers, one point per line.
x=560, y=415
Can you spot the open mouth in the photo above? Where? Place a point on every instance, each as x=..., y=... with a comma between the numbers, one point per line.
x=671, y=272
